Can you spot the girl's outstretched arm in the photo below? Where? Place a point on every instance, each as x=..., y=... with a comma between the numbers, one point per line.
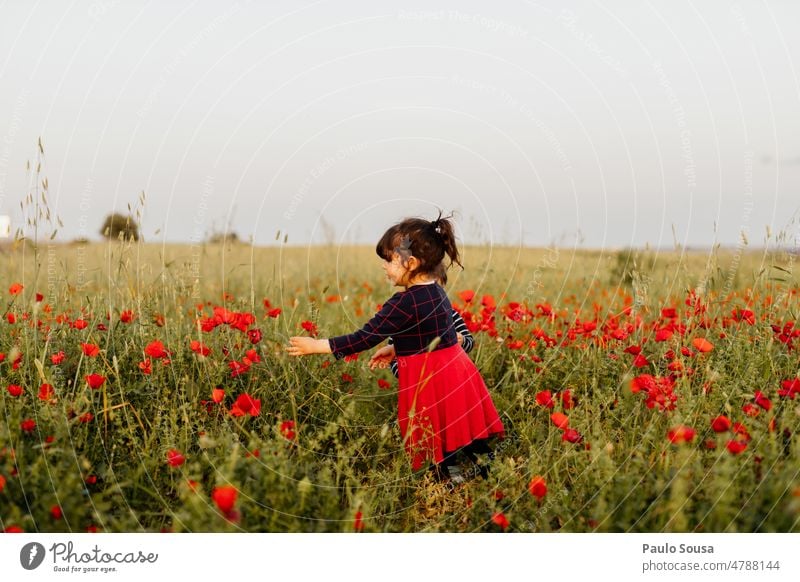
x=303, y=346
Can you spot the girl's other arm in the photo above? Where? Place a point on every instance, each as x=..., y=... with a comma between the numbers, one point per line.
x=467, y=341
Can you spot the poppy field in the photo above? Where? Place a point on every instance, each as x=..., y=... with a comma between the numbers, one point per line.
x=145, y=387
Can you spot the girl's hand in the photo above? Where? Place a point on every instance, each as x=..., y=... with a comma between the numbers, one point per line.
x=303, y=346
x=382, y=358
x=460, y=338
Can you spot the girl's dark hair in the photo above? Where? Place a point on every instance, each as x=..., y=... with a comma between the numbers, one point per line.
x=428, y=240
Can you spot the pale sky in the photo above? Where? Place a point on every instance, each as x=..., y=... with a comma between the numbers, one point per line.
x=588, y=123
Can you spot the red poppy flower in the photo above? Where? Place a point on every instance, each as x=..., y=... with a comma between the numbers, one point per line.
x=46, y=392
x=15, y=289
x=560, y=420
x=663, y=335
x=39, y=297
x=566, y=399
x=639, y=361
x=702, y=344
x=681, y=434
x=750, y=409
x=571, y=435
x=239, y=368
x=740, y=429
x=358, y=523
x=199, y=348
x=12, y=319
x=2, y=483
x=28, y=425
x=90, y=350
x=252, y=356
x=789, y=388
x=224, y=497
x=155, y=349
x=90, y=480
x=13, y=529
x=721, y=424
x=538, y=487
x=57, y=358
x=145, y=366
x=287, y=429
x=488, y=302
x=14, y=390
x=310, y=327
x=347, y=378
x=254, y=335
x=246, y=404
x=274, y=312
x=500, y=519
x=735, y=447
x=383, y=384
x=217, y=395
x=95, y=381
x=126, y=316
x=545, y=398
x=762, y=400
x=633, y=350
x=467, y=295
x=86, y=417
x=175, y=458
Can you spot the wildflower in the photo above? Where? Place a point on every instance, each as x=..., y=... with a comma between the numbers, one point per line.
x=383, y=384
x=15, y=289
x=500, y=519
x=310, y=327
x=47, y=393
x=274, y=313
x=702, y=345
x=467, y=295
x=199, y=348
x=58, y=357
x=721, y=424
x=566, y=399
x=224, y=497
x=217, y=395
x=560, y=420
x=126, y=316
x=681, y=434
x=790, y=388
x=571, y=435
x=145, y=366
x=545, y=398
x=358, y=523
x=28, y=425
x=762, y=400
x=175, y=458
x=155, y=349
x=246, y=404
x=287, y=429
x=14, y=390
x=95, y=381
x=735, y=446
x=90, y=350
x=750, y=409
x=254, y=335
x=79, y=324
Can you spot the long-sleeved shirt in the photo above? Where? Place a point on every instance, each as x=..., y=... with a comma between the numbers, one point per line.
x=460, y=327
x=412, y=318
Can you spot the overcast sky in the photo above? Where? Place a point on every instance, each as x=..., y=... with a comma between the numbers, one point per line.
x=539, y=122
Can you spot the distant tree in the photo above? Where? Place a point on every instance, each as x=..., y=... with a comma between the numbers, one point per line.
x=117, y=225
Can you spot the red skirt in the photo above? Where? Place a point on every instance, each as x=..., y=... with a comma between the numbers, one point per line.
x=442, y=404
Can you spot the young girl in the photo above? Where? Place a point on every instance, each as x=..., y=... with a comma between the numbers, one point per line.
x=443, y=404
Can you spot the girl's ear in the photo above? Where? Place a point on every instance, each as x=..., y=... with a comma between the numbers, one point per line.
x=412, y=263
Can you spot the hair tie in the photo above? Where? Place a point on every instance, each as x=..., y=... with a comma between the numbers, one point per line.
x=436, y=224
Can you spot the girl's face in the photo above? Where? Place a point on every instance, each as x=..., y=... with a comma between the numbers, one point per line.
x=395, y=271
